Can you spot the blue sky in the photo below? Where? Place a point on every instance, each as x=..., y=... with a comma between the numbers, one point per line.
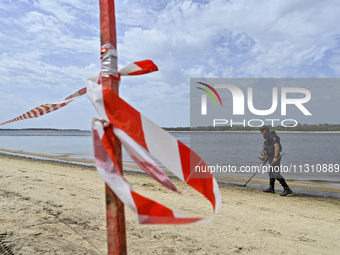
x=49, y=48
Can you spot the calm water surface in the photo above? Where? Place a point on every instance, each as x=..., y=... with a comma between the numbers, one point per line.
x=310, y=152
x=216, y=148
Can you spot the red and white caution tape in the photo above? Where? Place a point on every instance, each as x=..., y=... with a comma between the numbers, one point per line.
x=135, y=131
x=137, y=68
x=47, y=108
x=140, y=67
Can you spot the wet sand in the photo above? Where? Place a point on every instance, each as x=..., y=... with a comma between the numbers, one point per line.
x=50, y=207
x=321, y=186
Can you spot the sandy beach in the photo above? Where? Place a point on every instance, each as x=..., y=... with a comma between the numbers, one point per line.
x=49, y=207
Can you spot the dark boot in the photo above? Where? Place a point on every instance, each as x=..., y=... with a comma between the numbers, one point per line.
x=286, y=188
x=286, y=192
x=271, y=186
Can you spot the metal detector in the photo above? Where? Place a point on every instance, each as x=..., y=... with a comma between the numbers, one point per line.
x=264, y=162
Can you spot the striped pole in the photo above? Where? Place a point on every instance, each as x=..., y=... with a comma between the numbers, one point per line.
x=115, y=217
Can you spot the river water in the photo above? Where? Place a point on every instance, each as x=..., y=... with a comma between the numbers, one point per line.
x=308, y=156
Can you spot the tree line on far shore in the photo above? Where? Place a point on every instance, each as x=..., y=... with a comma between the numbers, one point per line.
x=298, y=127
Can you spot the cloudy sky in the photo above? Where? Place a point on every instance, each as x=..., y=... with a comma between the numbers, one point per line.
x=49, y=48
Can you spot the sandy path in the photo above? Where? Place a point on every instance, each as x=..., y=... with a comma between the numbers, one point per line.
x=55, y=208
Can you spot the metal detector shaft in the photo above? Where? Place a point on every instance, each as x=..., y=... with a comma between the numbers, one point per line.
x=264, y=162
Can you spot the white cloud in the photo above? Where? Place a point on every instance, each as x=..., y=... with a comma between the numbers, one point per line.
x=46, y=32
x=232, y=39
x=67, y=11
x=269, y=37
x=53, y=45
x=335, y=63
x=27, y=70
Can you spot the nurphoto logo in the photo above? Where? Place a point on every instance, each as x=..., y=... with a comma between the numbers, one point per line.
x=204, y=97
x=296, y=97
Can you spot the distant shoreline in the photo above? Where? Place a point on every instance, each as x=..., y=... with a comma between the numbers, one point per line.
x=315, y=132
x=179, y=130
x=44, y=129
x=238, y=131
x=298, y=128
